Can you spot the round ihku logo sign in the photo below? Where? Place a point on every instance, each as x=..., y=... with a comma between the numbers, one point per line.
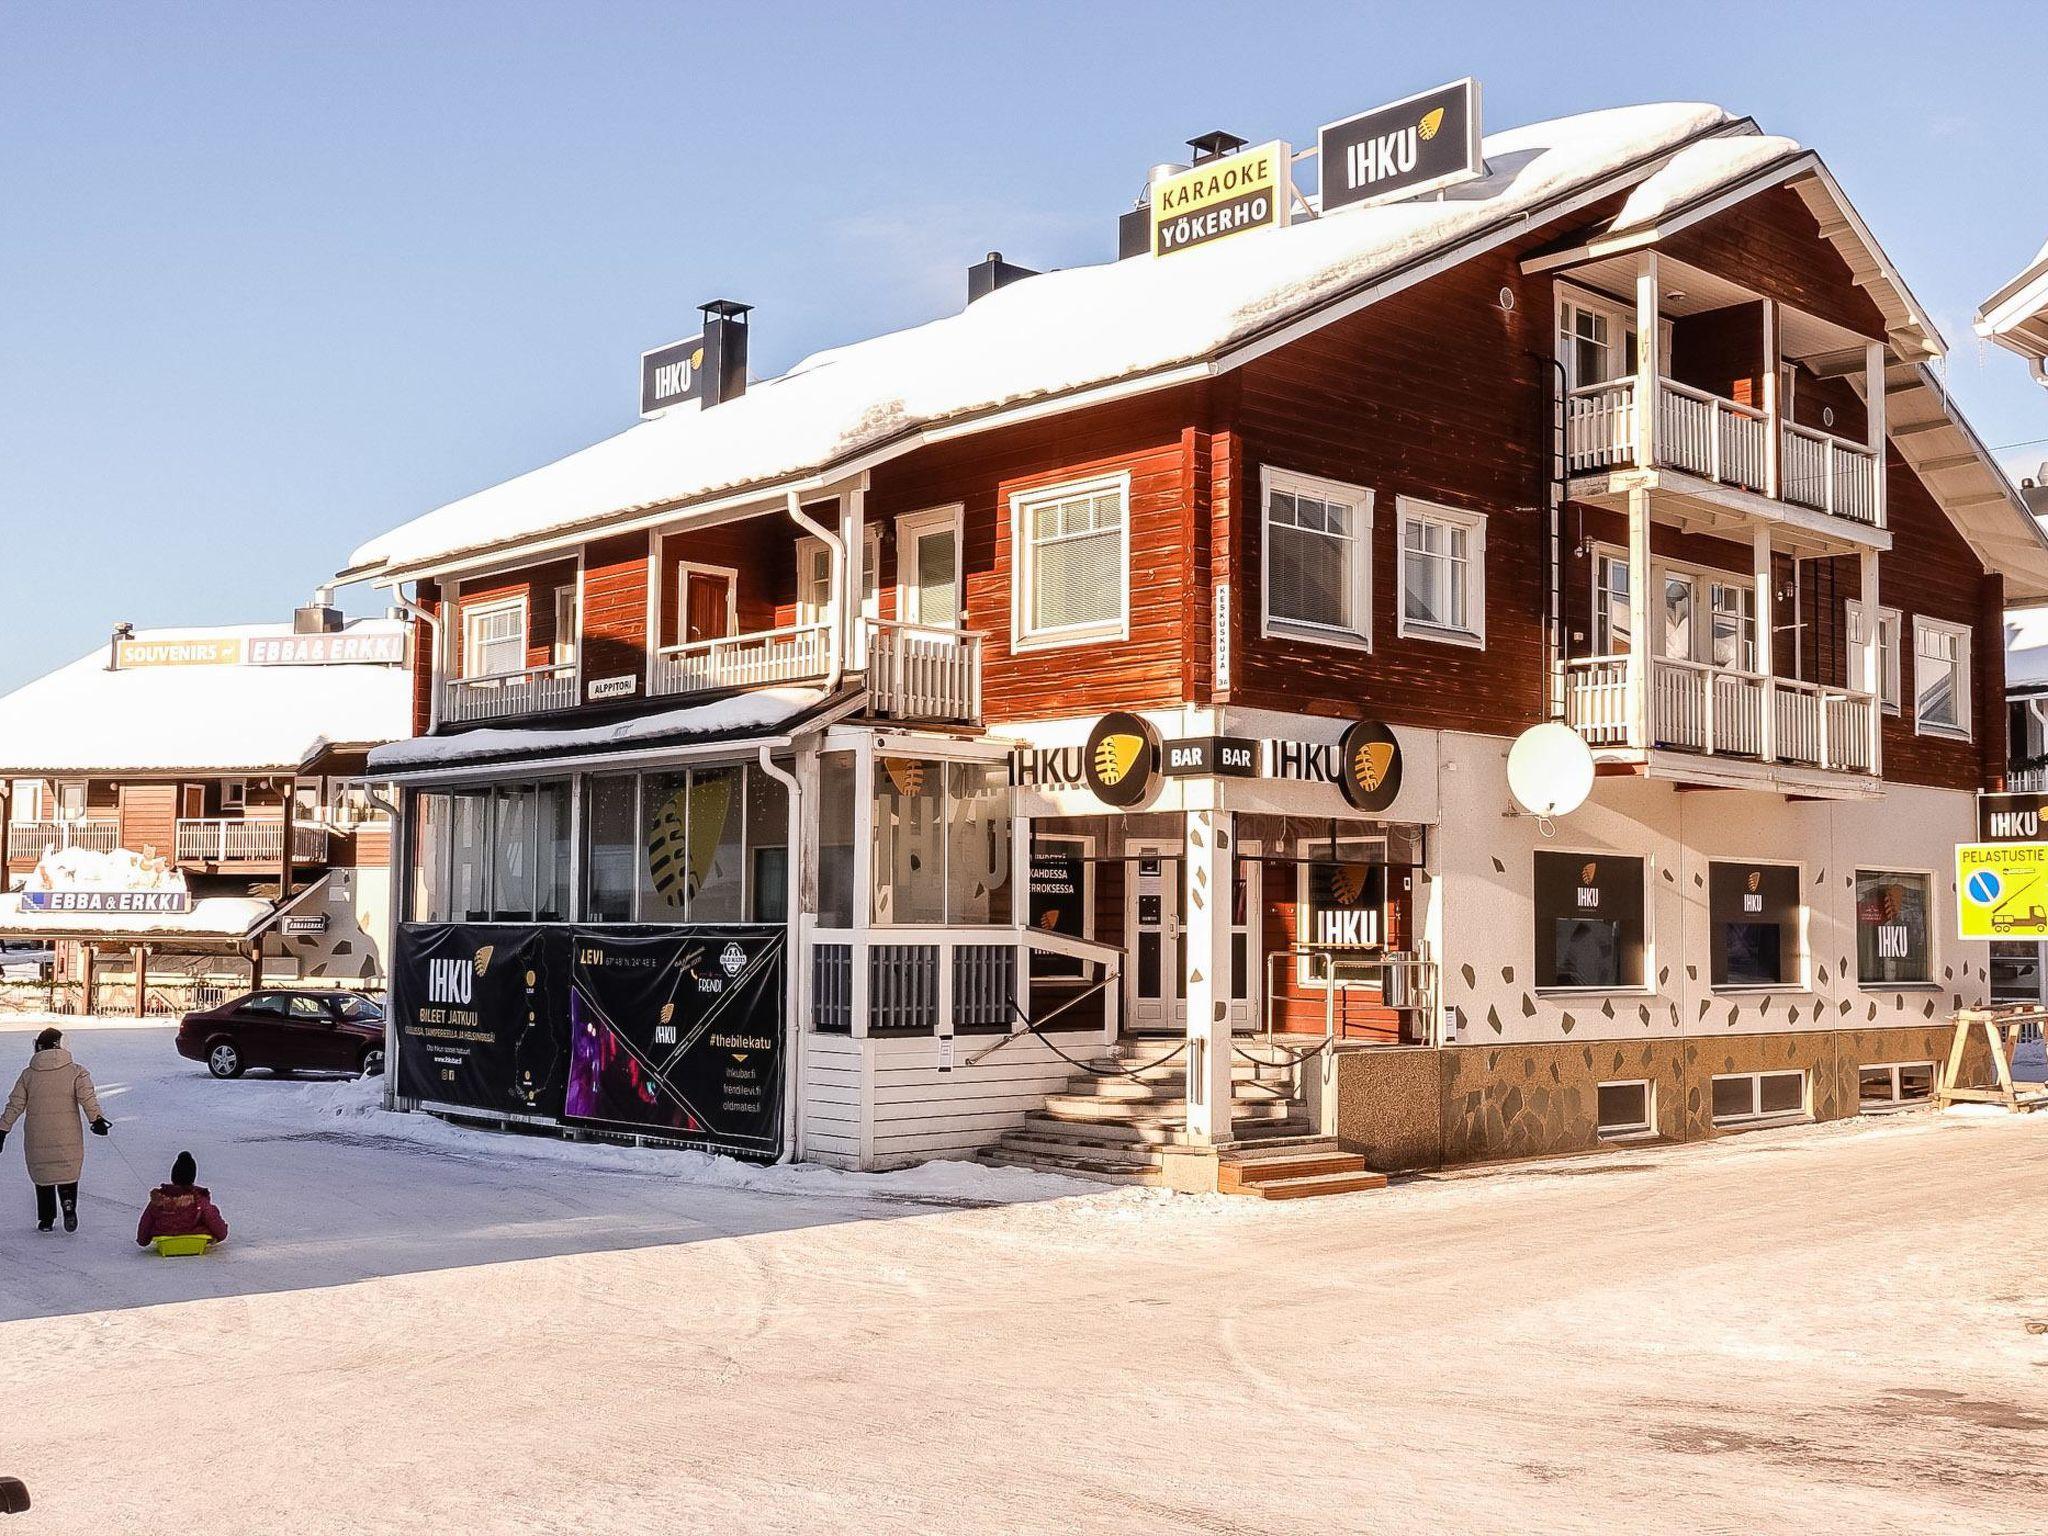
x=1369, y=765
x=732, y=958
x=1121, y=758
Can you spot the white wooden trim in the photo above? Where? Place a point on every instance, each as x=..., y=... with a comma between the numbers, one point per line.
x=1965, y=727
x=1416, y=509
x=1357, y=637
x=912, y=526
x=1023, y=637
x=685, y=569
x=1934, y=942
x=469, y=613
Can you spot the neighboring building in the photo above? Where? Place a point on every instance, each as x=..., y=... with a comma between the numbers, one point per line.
x=222, y=771
x=1176, y=615
x=2016, y=316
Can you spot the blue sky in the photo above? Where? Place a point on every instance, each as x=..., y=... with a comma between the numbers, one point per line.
x=275, y=277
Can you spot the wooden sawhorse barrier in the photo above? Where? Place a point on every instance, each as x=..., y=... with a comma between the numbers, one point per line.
x=2001, y=1027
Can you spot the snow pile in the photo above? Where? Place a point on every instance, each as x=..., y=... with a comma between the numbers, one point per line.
x=1697, y=170
x=1048, y=335
x=85, y=717
x=85, y=869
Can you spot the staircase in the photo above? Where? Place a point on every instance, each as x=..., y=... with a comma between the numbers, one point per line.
x=1110, y=1127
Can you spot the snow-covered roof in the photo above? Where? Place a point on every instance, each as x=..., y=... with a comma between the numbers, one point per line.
x=210, y=917
x=743, y=714
x=2016, y=316
x=1056, y=335
x=237, y=718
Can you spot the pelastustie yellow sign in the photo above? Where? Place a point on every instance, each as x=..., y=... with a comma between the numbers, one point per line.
x=2002, y=890
x=1245, y=191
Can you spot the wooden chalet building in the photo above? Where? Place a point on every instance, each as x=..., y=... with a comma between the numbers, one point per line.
x=186, y=814
x=1123, y=672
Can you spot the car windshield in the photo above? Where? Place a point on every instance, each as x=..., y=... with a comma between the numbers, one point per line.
x=353, y=1007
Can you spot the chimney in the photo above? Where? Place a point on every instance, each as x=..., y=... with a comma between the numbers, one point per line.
x=319, y=617
x=121, y=632
x=725, y=351
x=986, y=276
x=1134, y=229
x=1215, y=144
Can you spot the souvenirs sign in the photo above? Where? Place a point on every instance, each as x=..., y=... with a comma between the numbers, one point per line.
x=1232, y=195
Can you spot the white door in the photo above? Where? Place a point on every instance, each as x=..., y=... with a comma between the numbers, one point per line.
x=1156, y=983
x=1247, y=953
x=928, y=567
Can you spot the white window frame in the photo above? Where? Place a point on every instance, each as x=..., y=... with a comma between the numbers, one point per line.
x=910, y=528
x=1933, y=981
x=1963, y=729
x=1621, y=320
x=1024, y=636
x=1646, y=1127
x=1356, y=636
x=1757, y=1115
x=1603, y=557
x=568, y=625
x=1412, y=509
x=1802, y=974
x=809, y=547
x=1647, y=987
x=1890, y=622
x=26, y=804
x=60, y=811
x=1897, y=1101
x=685, y=569
x=234, y=794
x=1307, y=975
x=1700, y=630
x=471, y=613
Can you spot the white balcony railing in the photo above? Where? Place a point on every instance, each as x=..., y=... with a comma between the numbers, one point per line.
x=1712, y=437
x=793, y=654
x=1695, y=707
x=924, y=671
x=1829, y=474
x=531, y=692
x=232, y=840
x=30, y=839
x=1600, y=425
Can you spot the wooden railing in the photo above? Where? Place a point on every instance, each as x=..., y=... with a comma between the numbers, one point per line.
x=230, y=840
x=1696, y=707
x=1600, y=425
x=29, y=839
x=1712, y=437
x=915, y=977
x=796, y=653
x=923, y=671
x=1829, y=474
x=531, y=692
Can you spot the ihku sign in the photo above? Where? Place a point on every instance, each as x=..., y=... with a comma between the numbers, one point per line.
x=2011, y=818
x=672, y=375
x=1219, y=198
x=1418, y=144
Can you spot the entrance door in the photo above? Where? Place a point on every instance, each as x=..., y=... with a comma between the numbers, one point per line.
x=1153, y=908
x=707, y=604
x=928, y=567
x=1247, y=952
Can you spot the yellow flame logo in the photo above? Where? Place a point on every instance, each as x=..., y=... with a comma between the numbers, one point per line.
x=1115, y=755
x=668, y=1011
x=482, y=962
x=1756, y=880
x=1430, y=124
x=1348, y=883
x=1369, y=764
x=1588, y=872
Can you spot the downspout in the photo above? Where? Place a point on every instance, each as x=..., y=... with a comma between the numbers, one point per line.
x=1556, y=487
x=433, y=622
x=836, y=668
x=400, y=893
x=792, y=1076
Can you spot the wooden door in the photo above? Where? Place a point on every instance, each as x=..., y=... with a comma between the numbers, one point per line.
x=707, y=605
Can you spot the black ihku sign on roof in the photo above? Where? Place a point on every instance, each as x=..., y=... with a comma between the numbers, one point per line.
x=1418, y=144
x=672, y=374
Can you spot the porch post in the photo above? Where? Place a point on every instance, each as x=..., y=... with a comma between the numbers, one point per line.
x=1639, y=619
x=1873, y=394
x=1208, y=848
x=1774, y=432
x=1649, y=365
x=1766, y=641
x=853, y=531
x=1871, y=669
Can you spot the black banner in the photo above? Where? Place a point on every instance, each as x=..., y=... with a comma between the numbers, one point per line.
x=1421, y=142
x=677, y=1032
x=479, y=1010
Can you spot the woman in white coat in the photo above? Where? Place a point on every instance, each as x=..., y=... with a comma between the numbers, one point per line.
x=53, y=1092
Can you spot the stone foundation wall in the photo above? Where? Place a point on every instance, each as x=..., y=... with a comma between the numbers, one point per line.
x=1425, y=1108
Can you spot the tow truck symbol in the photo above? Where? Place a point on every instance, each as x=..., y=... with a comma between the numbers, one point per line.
x=2032, y=918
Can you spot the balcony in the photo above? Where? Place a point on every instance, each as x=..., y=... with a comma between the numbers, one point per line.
x=233, y=840
x=914, y=671
x=1725, y=443
x=794, y=654
x=27, y=840
x=536, y=690
x=1719, y=712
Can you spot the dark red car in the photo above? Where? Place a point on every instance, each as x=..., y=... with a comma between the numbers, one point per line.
x=287, y=1030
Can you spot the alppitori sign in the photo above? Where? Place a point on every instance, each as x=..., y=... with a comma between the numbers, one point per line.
x=1219, y=198
x=1417, y=144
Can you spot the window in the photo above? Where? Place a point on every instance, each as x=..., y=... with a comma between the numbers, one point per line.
x=1894, y=1083
x=1341, y=906
x=1941, y=678
x=814, y=577
x=1443, y=573
x=27, y=800
x=71, y=798
x=2016, y=972
x=1887, y=653
x=234, y=794
x=1072, y=576
x=1757, y=925
x=310, y=1009
x=767, y=848
x=1596, y=341
x=611, y=847
x=942, y=841
x=1610, y=606
x=267, y=1003
x=1318, y=559
x=690, y=838
x=568, y=626
x=1751, y=1096
x=430, y=844
x=494, y=638
x=836, y=792
x=1732, y=616
x=699, y=845
x=1625, y=1109
x=1589, y=921
x=928, y=568
x=1894, y=929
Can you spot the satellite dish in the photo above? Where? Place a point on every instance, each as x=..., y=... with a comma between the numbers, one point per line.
x=1550, y=770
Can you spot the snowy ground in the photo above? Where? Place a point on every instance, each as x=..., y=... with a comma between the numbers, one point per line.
x=420, y=1328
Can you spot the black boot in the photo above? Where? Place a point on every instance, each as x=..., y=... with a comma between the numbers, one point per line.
x=46, y=1207
x=68, y=1193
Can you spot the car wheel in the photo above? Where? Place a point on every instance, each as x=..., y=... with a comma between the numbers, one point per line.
x=373, y=1061
x=223, y=1059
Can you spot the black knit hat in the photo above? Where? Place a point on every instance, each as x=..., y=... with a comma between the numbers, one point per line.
x=184, y=1171
x=50, y=1039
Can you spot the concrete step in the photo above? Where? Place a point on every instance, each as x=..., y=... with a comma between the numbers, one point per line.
x=1037, y=1142
x=1171, y=1130
x=1172, y=1086
x=1088, y=1106
x=1073, y=1167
